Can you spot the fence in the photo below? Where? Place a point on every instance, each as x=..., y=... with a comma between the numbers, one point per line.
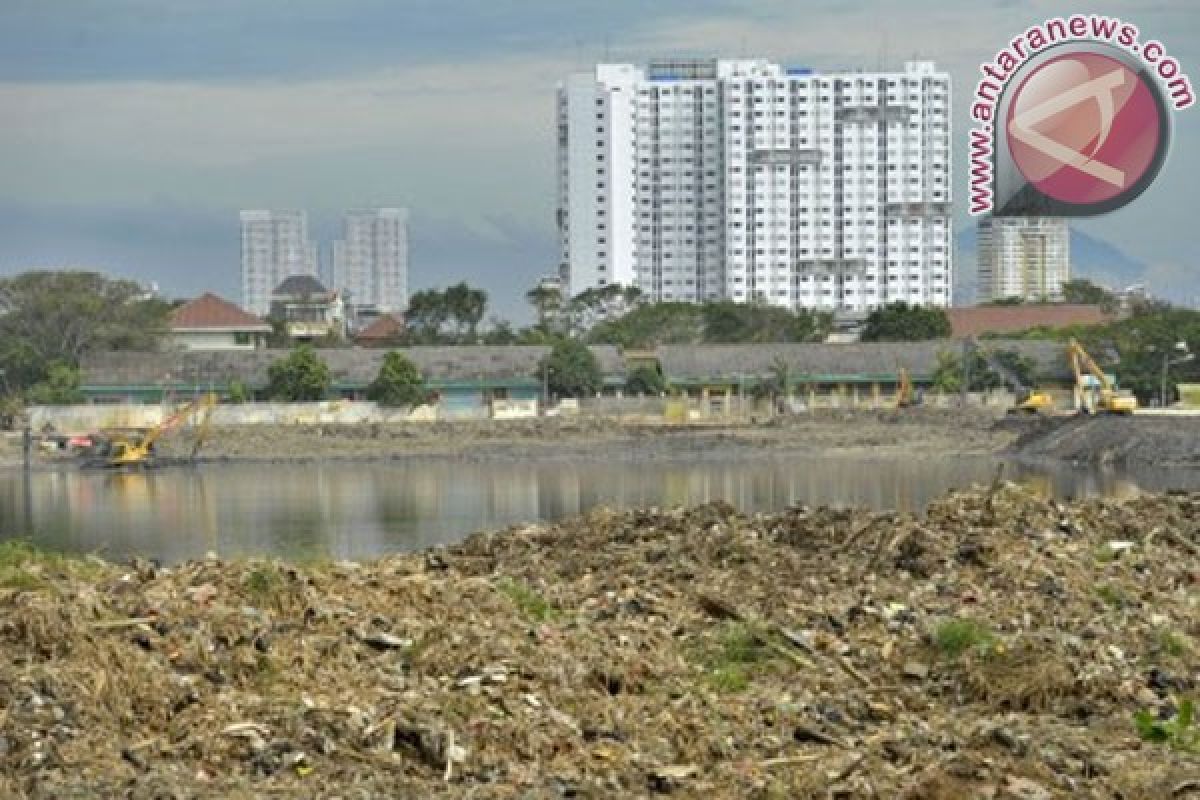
x=697, y=406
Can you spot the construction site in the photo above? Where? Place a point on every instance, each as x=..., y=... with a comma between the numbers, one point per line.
x=1005, y=640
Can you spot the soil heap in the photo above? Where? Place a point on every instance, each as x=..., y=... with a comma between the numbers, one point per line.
x=999, y=646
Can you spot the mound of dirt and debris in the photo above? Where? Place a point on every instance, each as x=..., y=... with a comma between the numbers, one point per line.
x=1003, y=646
x=1109, y=439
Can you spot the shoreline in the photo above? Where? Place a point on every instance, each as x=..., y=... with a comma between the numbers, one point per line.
x=914, y=433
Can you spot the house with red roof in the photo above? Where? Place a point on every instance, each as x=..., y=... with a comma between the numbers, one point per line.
x=210, y=323
x=383, y=332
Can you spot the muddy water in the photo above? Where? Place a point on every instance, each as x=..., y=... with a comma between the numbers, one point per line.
x=355, y=510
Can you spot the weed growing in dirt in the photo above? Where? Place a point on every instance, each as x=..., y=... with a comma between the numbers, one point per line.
x=262, y=583
x=527, y=600
x=1171, y=643
x=23, y=564
x=1180, y=732
x=956, y=636
x=20, y=579
x=19, y=552
x=729, y=664
x=1112, y=596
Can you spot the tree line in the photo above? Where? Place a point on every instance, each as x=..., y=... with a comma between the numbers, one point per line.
x=51, y=320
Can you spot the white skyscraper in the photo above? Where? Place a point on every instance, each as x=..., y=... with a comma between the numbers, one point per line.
x=1025, y=257
x=274, y=245
x=370, y=261
x=746, y=180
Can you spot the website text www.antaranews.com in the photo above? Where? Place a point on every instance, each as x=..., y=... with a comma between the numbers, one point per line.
x=1077, y=28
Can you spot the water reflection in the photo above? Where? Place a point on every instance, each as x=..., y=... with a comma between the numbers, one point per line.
x=357, y=510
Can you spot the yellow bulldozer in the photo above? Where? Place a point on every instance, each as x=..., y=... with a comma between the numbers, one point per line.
x=134, y=447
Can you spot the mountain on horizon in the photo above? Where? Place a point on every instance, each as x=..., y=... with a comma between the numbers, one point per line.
x=1092, y=258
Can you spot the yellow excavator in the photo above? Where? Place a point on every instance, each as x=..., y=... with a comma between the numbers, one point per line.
x=1099, y=396
x=906, y=397
x=1029, y=401
x=117, y=449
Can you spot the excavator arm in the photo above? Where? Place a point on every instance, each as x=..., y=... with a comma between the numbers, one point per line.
x=139, y=453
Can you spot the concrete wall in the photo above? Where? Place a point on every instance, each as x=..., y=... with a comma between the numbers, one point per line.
x=211, y=340
x=78, y=419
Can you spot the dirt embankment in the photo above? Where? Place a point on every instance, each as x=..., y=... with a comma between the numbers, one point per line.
x=999, y=647
x=917, y=431
x=1118, y=440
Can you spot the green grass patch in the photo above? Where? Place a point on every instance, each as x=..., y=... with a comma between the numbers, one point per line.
x=527, y=600
x=262, y=583
x=1180, y=732
x=956, y=636
x=21, y=579
x=25, y=565
x=731, y=660
x=1112, y=596
x=1171, y=643
x=20, y=552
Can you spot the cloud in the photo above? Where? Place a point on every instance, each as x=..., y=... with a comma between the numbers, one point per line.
x=153, y=108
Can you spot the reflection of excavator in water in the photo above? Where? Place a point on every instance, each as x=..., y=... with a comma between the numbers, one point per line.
x=1098, y=395
x=116, y=449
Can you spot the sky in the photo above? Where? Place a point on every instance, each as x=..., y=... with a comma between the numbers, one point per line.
x=133, y=131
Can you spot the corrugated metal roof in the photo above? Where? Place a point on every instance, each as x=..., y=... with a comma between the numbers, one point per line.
x=827, y=362
x=357, y=366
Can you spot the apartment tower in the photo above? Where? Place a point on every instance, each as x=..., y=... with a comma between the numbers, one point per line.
x=275, y=245
x=370, y=261
x=750, y=181
x=1024, y=257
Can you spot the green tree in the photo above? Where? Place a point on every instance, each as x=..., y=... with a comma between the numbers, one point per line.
x=466, y=307
x=49, y=317
x=499, y=332
x=238, y=392
x=547, y=302
x=301, y=377
x=59, y=388
x=900, y=322
x=651, y=325
x=1084, y=291
x=426, y=316
x=571, y=369
x=947, y=375
x=740, y=323
x=398, y=384
x=645, y=380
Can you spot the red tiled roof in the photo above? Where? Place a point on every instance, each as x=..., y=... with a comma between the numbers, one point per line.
x=210, y=311
x=385, y=327
x=1014, y=319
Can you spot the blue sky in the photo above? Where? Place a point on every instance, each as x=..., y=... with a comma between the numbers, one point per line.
x=133, y=130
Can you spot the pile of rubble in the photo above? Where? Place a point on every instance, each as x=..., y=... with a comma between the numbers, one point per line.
x=999, y=646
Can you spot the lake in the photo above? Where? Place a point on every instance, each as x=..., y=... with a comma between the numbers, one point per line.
x=362, y=509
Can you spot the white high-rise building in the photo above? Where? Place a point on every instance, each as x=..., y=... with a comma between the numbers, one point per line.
x=746, y=180
x=370, y=261
x=274, y=245
x=1025, y=257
